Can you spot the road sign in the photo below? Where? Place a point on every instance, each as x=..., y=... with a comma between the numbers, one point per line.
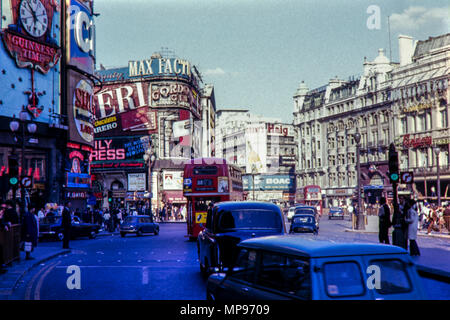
x=407, y=177
x=26, y=182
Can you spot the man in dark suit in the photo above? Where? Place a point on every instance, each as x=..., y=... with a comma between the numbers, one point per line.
x=384, y=215
x=66, y=224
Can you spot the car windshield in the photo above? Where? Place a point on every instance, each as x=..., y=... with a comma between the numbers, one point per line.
x=336, y=209
x=249, y=219
x=304, y=211
x=130, y=220
x=307, y=219
x=50, y=220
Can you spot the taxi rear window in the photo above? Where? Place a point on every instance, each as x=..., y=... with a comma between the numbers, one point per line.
x=343, y=279
x=394, y=278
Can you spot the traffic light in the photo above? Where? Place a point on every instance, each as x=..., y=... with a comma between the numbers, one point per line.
x=13, y=174
x=394, y=174
x=110, y=198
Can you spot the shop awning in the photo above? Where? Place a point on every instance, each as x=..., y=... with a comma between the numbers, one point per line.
x=174, y=196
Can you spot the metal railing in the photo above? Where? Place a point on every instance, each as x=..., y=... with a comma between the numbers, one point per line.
x=10, y=244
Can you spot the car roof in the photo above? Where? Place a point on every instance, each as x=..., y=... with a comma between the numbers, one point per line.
x=230, y=205
x=140, y=216
x=295, y=245
x=304, y=206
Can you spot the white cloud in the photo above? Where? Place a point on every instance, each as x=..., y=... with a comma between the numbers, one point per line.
x=420, y=18
x=214, y=72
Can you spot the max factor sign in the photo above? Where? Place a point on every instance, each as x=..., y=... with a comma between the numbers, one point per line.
x=159, y=67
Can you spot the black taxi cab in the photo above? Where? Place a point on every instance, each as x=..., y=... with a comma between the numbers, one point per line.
x=230, y=222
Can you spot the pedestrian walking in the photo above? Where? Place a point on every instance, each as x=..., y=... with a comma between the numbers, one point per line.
x=4, y=227
x=384, y=215
x=66, y=224
x=106, y=219
x=412, y=219
x=447, y=217
x=29, y=231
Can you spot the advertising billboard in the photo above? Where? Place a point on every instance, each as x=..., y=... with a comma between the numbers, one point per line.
x=80, y=44
x=256, y=148
x=123, y=109
x=137, y=182
x=119, y=153
x=269, y=182
x=172, y=180
x=80, y=109
x=29, y=55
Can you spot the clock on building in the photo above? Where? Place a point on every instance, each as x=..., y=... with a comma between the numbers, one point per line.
x=34, y=17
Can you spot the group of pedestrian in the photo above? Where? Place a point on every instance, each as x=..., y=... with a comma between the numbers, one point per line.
x=434, y=218
x=27, y=219
x=169, y=212
x=405, y=222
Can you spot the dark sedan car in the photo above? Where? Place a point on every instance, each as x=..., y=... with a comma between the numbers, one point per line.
x=336, y=212
x=50, y=227
x=228, y=223
x=139, y=225
x=291, y=267
x=304, y=223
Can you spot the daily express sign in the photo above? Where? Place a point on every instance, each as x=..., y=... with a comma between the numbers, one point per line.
x=148, y=68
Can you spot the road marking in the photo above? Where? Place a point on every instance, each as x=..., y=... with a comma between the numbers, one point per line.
x=35, y=277
x=37, y=291
x=145, y=276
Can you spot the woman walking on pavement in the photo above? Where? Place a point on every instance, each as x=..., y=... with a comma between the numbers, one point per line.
x=412, y=218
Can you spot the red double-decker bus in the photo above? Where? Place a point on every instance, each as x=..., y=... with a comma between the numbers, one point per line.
x=310, y=195
x=206, y=181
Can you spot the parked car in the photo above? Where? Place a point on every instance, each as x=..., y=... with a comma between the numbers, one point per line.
x=228, y=223
x=50, y=227
x=138, y=225
x=336, y=212
x=302, y=223
x=305, y=209
x=291, y=267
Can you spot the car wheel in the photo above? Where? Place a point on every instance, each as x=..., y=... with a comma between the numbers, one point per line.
x=60, y=236
x=156, y=231
x=122, y=234
x=92, y=235
x=139, y=233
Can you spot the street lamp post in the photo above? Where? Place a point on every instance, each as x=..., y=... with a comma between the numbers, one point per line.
x=360, y=217
x=437, y=150
x=31, y=128
x=150, y=157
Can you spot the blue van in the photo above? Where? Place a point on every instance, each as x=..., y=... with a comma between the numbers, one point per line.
x=293, y=268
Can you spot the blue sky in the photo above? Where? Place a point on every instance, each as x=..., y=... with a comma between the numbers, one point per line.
x=256, y=52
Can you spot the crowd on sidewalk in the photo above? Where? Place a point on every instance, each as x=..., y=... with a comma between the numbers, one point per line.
x=411, y=217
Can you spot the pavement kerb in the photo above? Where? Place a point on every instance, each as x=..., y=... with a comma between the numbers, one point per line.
x=445, y=236
x=27, y=268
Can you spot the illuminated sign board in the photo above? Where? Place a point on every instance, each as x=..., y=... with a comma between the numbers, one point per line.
x=82, y=32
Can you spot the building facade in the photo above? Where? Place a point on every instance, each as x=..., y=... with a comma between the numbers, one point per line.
x=150, y=118
x=46, y=101
x=420, y=98
x=265, y=150
x=404, y=102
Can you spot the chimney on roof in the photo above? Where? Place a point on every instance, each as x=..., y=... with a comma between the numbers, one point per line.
x=405, y=49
